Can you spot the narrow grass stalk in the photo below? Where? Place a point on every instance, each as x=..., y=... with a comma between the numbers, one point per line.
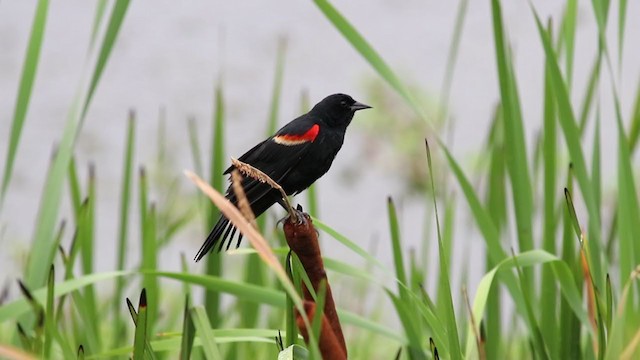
x=515, y=144
x=29, y=71
x=188, y=332
x=43, y=252
x=140, y=338
x=572, y=138
x=548, y=293
x=444, y=287
x=203, y=329
x=149, y=262
x=214, y=261
x=123, y=224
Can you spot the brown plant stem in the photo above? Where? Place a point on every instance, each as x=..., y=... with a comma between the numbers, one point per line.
x=302, y=238
x=329, y=344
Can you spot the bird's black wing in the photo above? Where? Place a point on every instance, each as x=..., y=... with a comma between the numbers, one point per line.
x=276, y=157
x=279, y=154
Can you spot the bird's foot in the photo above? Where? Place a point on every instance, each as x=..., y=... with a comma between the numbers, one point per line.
x=299, y=215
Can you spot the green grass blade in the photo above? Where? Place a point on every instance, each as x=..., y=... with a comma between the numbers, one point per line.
x=85, y=237
x=123, y=225
x=482, y=217
x=25, y=340
x=369, y=54
x=188, y=332
x=71, y=258
x=223, y=336
x=601, y=12
x=628, y=206
x=34, y=341
x=29, y=71
x=548, y=292
x=49, y=315
x=429, y=312
x=496, y=197
x=539, y=346
x=140, y=338
x=290, y=317
x=452, y=56
x=217, y=163
x=634, y=130
x=572, y=138
x=268, y=296
x=143, y=198
x=316, y=322
x=348, y=243
x=590, y=91
x=410, y=325
x=609, y=302
x=294, y=352
x=596, y=178
x=75, y=193
x=447, y=232
x=444, y=287
x=254, y=274
x=216, y=167
x=337, y=266
x=149, y=353
x=568, y=36
x=396, y=247
x=184, y=266
x=496, y=205
x=115, y=23
x=17, y=308
x=622, y=20
x=206, y=335
x=563, y=275
x=149, y=262
x=101, y=6
x=515, y=144
x=243, y=291
x=43, y=252
x=489, y=232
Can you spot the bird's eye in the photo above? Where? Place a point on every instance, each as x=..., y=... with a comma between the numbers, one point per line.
x=343, y=103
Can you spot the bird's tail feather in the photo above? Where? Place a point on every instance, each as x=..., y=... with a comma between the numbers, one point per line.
x=223, y=232
x=214, y=237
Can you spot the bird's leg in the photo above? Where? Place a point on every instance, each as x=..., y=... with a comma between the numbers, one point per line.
x=282, y=203
x=298, y=213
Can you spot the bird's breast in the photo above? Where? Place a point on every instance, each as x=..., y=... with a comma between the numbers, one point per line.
x=315, y=163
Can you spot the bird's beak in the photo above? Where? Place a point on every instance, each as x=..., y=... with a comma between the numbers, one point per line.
x=359, y=106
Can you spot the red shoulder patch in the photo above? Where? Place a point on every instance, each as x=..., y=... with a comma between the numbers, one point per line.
x=290, y=140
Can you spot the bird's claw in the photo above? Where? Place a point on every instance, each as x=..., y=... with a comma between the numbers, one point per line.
x=299, y=217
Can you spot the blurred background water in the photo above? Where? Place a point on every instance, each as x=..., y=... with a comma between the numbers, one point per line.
x=169, y=56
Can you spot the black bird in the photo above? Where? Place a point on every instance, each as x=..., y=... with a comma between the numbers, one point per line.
x=295, y=157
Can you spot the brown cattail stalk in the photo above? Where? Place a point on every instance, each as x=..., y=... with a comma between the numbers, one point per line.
x=303, y=240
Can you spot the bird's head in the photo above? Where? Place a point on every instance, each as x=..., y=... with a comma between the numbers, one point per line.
x=338, y=109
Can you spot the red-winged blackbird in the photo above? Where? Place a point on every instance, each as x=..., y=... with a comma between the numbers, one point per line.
x=295, y=157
